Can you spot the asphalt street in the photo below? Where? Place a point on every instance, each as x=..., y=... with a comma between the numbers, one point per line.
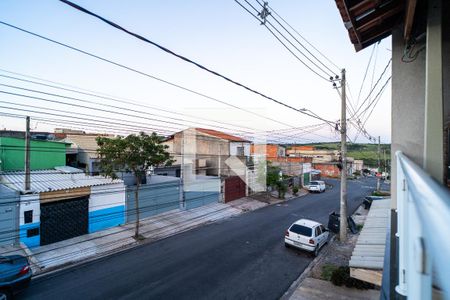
x=240, y=258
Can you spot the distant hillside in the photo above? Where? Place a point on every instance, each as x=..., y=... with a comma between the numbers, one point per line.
x=366, y=152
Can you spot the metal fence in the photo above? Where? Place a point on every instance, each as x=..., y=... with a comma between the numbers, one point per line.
x=423, y=232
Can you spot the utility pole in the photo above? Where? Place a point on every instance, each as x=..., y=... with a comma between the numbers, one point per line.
x=379, y=166
x=343, y=202
x=27, y=155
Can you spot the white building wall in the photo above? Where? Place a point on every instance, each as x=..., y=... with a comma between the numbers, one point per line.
x=235, y=145
x=30, y=202
x=107, y=196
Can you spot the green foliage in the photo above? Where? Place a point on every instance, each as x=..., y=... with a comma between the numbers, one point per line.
x=341, y=276
x=327, y=270
x=134, y=153
x=380, y=193
x=357, y=173
x=273, y=175
x=295, y=190
x=282, y=188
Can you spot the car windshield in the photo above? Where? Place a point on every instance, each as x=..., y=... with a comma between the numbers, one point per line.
x=302, y=230
x=313, y=183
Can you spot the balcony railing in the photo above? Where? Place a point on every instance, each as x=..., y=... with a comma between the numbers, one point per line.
x=423, y=232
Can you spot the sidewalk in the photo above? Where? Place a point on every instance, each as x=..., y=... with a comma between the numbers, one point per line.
x=91, y=246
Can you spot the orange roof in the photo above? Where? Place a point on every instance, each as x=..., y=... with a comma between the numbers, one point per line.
x=221, y=135
x=302, y=148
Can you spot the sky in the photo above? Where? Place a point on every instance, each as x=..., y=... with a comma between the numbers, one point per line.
x=218, y=34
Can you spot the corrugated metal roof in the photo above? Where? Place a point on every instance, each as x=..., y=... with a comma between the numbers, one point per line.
x=53, y=180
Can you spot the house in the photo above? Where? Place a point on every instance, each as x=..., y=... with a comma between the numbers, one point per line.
x=271, y=151
x=83, y=152
x=63, y=203
x=315, y=154
x=333, y=168
x=205, y=156
x=414, y=263
x=207, y=150
x=43, y=154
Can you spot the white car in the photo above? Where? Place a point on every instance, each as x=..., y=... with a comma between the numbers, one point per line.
x=316, y=186
x=307, y=235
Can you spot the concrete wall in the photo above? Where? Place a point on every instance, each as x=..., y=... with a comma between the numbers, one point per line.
x=27, y=203
x=446, y=87
x=160, y=194
x=9, y=215
x=106, y=206
x=408, y=104
x=201, y=191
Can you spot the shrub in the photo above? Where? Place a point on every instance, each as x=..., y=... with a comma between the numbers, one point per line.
x=341, y=276
x=282, y=188
x=295, y=190
x=380, y=193
x=327, y=271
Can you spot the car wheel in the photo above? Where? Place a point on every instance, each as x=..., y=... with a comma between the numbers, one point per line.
x=316, y=251
x=5, y=295
x=287, y=245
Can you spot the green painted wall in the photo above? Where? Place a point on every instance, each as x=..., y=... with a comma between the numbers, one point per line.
x=44, y=154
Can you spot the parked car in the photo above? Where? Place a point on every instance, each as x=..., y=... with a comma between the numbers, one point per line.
x=316, y=186
x=306, y=235
x=15, y=275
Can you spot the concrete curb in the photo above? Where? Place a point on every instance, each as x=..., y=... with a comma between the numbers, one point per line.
x=305, y=273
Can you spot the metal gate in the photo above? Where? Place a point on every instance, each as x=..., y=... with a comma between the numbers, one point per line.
x=153, y=199
x=234, y=188
x=65, y=219
x=8, y=226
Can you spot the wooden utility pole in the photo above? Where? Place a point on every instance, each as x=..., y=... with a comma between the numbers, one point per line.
x=379, y=166
x=343, y=200
x=27, y=156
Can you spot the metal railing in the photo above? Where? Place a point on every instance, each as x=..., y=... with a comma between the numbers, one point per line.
x=423, y=207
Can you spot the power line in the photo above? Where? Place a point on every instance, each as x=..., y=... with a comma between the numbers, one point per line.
x=84, y=10
x=279, y=40
x=307, y=50
x=365, y=74
x=373, y=88
x=119, y=100
x=145, y=74
x=113, y=106
x=374, y=102
x=302, y=37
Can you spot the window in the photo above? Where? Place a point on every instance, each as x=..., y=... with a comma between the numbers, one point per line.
x=28, y=216
x=32, y=232
x=302, y=230
x=240, y=151
x=322, y=228
x=318, y=232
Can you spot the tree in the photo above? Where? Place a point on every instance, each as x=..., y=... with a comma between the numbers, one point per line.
x=135, y=154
